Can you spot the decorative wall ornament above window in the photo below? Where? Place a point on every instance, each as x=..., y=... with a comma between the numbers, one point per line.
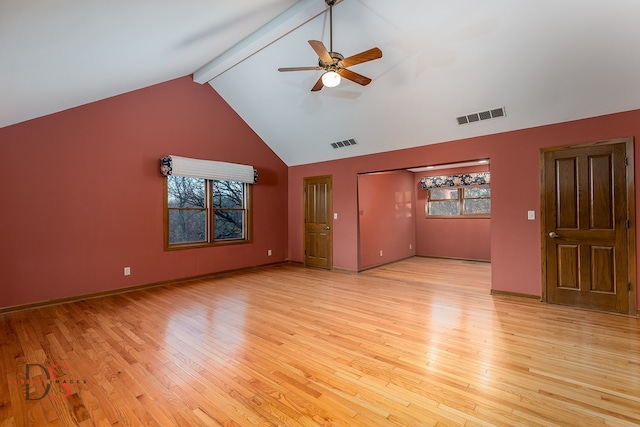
x=207, y=169
x=473, y=178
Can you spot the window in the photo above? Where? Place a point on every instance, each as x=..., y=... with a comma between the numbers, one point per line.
x=229, y=211
x=203, y=212
x=459, y=201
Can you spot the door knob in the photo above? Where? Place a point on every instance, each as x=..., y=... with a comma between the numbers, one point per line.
x=327, y=227
x=554, y=235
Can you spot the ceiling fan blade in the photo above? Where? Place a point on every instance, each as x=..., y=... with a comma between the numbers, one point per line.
x=322, y=51
x=300, y=68
x=354, y=77
x=319, y=85
x=359, y=58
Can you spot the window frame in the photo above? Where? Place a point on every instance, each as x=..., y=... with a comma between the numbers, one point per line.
x=210, y=240
x=460, y=201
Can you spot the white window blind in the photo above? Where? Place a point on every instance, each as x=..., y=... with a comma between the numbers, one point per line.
x=207, y=169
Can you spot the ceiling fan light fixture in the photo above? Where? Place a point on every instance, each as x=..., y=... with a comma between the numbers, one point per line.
x=331, y=79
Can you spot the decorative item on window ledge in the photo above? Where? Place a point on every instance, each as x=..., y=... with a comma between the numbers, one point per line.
x=474, y=178
x=208, y=169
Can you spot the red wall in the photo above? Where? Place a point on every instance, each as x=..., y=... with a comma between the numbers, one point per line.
x=82, y=196
x=387, y=217
x=514, y=157
x=463, y=238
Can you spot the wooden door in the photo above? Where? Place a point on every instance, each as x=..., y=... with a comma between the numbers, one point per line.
x=585, y=225
x=318, y=236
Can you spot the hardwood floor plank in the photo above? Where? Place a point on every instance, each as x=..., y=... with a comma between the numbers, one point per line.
x=420, y=342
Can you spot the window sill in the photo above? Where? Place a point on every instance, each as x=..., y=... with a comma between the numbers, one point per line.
x=183, y=246
x=457, y=217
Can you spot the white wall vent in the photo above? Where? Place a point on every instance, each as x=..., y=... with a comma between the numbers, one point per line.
x=345, y=143
x=483, y=115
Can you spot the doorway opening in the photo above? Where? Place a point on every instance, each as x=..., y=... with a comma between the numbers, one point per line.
x=393, y=220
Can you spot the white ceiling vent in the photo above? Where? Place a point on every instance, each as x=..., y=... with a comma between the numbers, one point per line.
x=345, y=143
x=483, y=115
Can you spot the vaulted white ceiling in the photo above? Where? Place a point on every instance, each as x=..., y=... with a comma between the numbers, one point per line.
x=544, y=61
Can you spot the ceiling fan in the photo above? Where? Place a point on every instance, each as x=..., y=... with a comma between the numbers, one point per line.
x=334, y=64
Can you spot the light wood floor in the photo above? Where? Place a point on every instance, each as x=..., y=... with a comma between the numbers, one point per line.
x=420, y=342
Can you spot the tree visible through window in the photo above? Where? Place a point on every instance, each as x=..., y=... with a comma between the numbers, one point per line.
x=459, y=201
x=476, y=200
x=229, y=211
x=203, y=212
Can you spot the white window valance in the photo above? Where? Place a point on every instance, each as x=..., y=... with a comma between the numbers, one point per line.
x=207, y=169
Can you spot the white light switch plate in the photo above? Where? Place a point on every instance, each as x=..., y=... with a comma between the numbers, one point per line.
x=531, y=215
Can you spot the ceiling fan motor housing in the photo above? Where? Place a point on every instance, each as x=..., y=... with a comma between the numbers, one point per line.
x=337, y=60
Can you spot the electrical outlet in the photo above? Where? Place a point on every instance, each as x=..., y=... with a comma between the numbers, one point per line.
x=380, y=252
x=410, y=246
x=127, y=271
x=269, y=253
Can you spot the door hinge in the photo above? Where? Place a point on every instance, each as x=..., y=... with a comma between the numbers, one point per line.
x=626, y=161
x=629, y=287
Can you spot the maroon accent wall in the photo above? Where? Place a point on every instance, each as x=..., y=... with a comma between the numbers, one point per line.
x=82, y=196
x=387, y=217
x=463, y=238
x=515, y=176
